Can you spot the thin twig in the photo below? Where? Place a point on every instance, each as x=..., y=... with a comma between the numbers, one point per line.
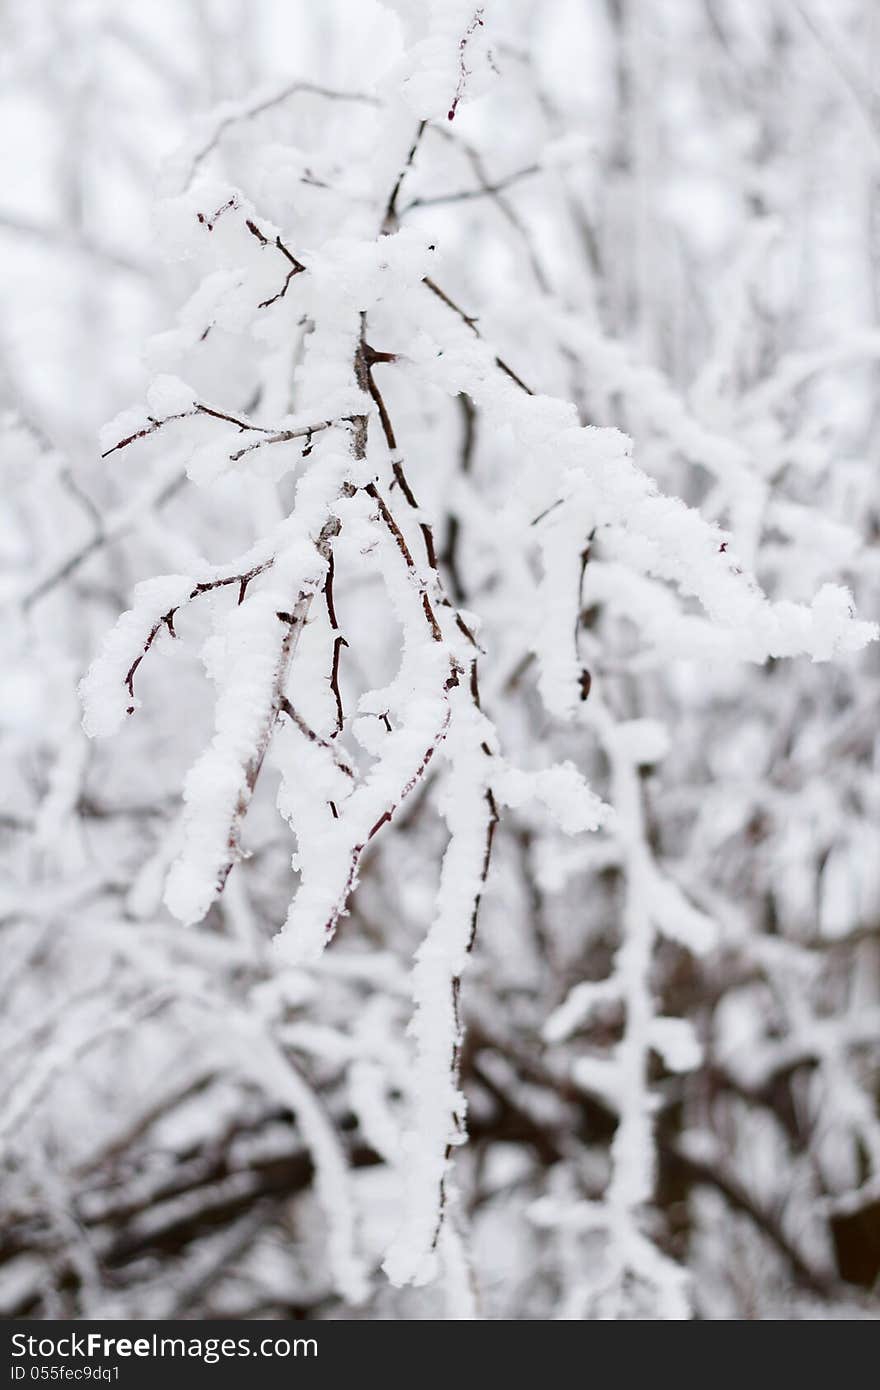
x=464, y=195
x=472, y=325
x=263, y=104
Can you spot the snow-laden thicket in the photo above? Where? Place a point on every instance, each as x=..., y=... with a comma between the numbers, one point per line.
x=451, y=890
